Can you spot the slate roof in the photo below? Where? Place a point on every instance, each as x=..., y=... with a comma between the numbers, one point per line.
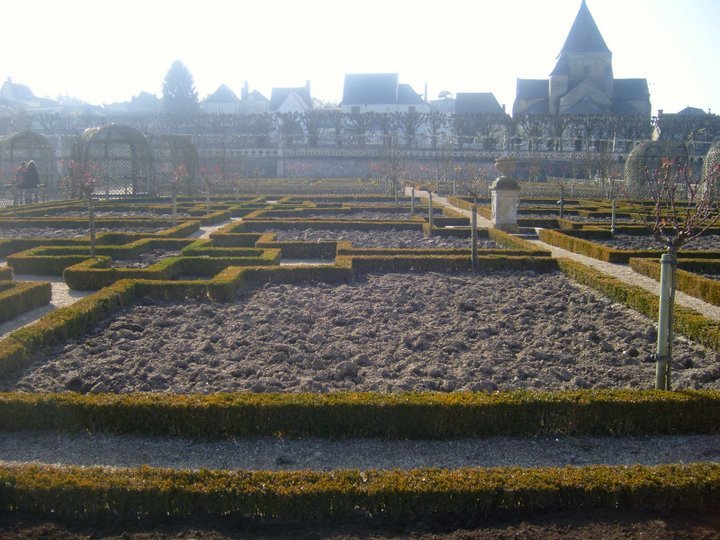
x=222, y=95
x=279, y=95
x=692, y=111
x=370, y=89
x=630, y=90
x=477, y=103
x=532, y=89
x=584, y=34
x=539, y=107
x=407, y=96
x=585, y=106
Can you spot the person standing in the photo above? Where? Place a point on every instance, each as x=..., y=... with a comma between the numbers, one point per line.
x=31, y=182
x=19, y=182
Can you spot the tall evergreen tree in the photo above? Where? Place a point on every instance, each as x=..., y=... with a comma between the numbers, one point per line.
x=179, y=94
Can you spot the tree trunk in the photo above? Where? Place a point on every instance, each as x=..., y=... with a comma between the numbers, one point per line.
x=430, y=211
x=668, y=267
x=91, y=215
x=474, y=238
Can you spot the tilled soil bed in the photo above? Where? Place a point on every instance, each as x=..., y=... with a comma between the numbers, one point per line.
x=380, y=239
x=50, y=232
x=145, y=259
x=710, y=242
x=378, y=215
x=387, y=333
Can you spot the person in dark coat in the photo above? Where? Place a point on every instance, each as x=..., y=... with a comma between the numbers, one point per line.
x=31, y=182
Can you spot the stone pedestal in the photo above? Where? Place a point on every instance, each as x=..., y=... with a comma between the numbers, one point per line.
x=505, y=195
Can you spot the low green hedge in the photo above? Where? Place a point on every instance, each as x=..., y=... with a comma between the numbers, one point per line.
x=20, y=347
x=93, y=274
x=6, y=273
x=17, y=297
x=129, y=495
x=299, y=250
x=52, y=260
x=418, y=415
x=686, y=280
x=571, y=241
x=685, y=321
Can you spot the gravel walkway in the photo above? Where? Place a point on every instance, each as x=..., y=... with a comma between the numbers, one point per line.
x=322, y=454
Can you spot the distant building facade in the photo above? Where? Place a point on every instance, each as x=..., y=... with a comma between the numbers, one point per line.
x=582, y=81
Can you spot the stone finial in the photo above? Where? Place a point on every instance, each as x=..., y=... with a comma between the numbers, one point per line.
x=506, y=166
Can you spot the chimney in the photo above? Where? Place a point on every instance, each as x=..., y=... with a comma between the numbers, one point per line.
x=426, y=92
x=660, y=112
x=245, y=93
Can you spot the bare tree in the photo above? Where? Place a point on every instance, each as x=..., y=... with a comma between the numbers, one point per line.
x=685, y=206
x=82, y=178
x=474, y=185
x=409, y=123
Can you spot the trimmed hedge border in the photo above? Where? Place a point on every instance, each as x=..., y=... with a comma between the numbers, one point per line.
x=17, y=297
x=686, y=280
x=571, y=241
x=6, y=273
x=418, y=415
x=132, y=494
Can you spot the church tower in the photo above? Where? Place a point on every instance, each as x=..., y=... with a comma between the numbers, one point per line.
x=582, y=81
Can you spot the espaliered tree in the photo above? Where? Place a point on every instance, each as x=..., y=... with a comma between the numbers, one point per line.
x=82, y=178
x=685, y=206
x=178, y=178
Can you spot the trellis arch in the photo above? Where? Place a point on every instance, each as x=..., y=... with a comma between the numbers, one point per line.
x=26, y=146
x=647, y=156
x=169, y=151
x=123, y=157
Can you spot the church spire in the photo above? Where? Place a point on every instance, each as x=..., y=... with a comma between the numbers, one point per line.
x=584, y=36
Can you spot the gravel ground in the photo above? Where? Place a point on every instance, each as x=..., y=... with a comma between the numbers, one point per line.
x=710, y=242
x=380, y=239
x=265, y=453
x=386, y=333
x=145, y=259
x=80, y=232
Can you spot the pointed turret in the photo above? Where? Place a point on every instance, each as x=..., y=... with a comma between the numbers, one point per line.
x=584, y=36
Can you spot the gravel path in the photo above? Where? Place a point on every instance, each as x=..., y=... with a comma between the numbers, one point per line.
x=380, y=239
x=385, y=333
x=267, y=453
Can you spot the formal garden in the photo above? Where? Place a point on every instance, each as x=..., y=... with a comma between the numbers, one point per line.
x=340, y=318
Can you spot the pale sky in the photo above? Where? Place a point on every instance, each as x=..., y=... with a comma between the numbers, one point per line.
x=103, y=51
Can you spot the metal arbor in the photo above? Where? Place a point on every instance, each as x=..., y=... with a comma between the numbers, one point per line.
x=170, y=151
x=26, y=146
x=122, y=156
x=646, y=158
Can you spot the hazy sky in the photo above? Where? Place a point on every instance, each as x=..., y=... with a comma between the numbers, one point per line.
x=103, y=51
